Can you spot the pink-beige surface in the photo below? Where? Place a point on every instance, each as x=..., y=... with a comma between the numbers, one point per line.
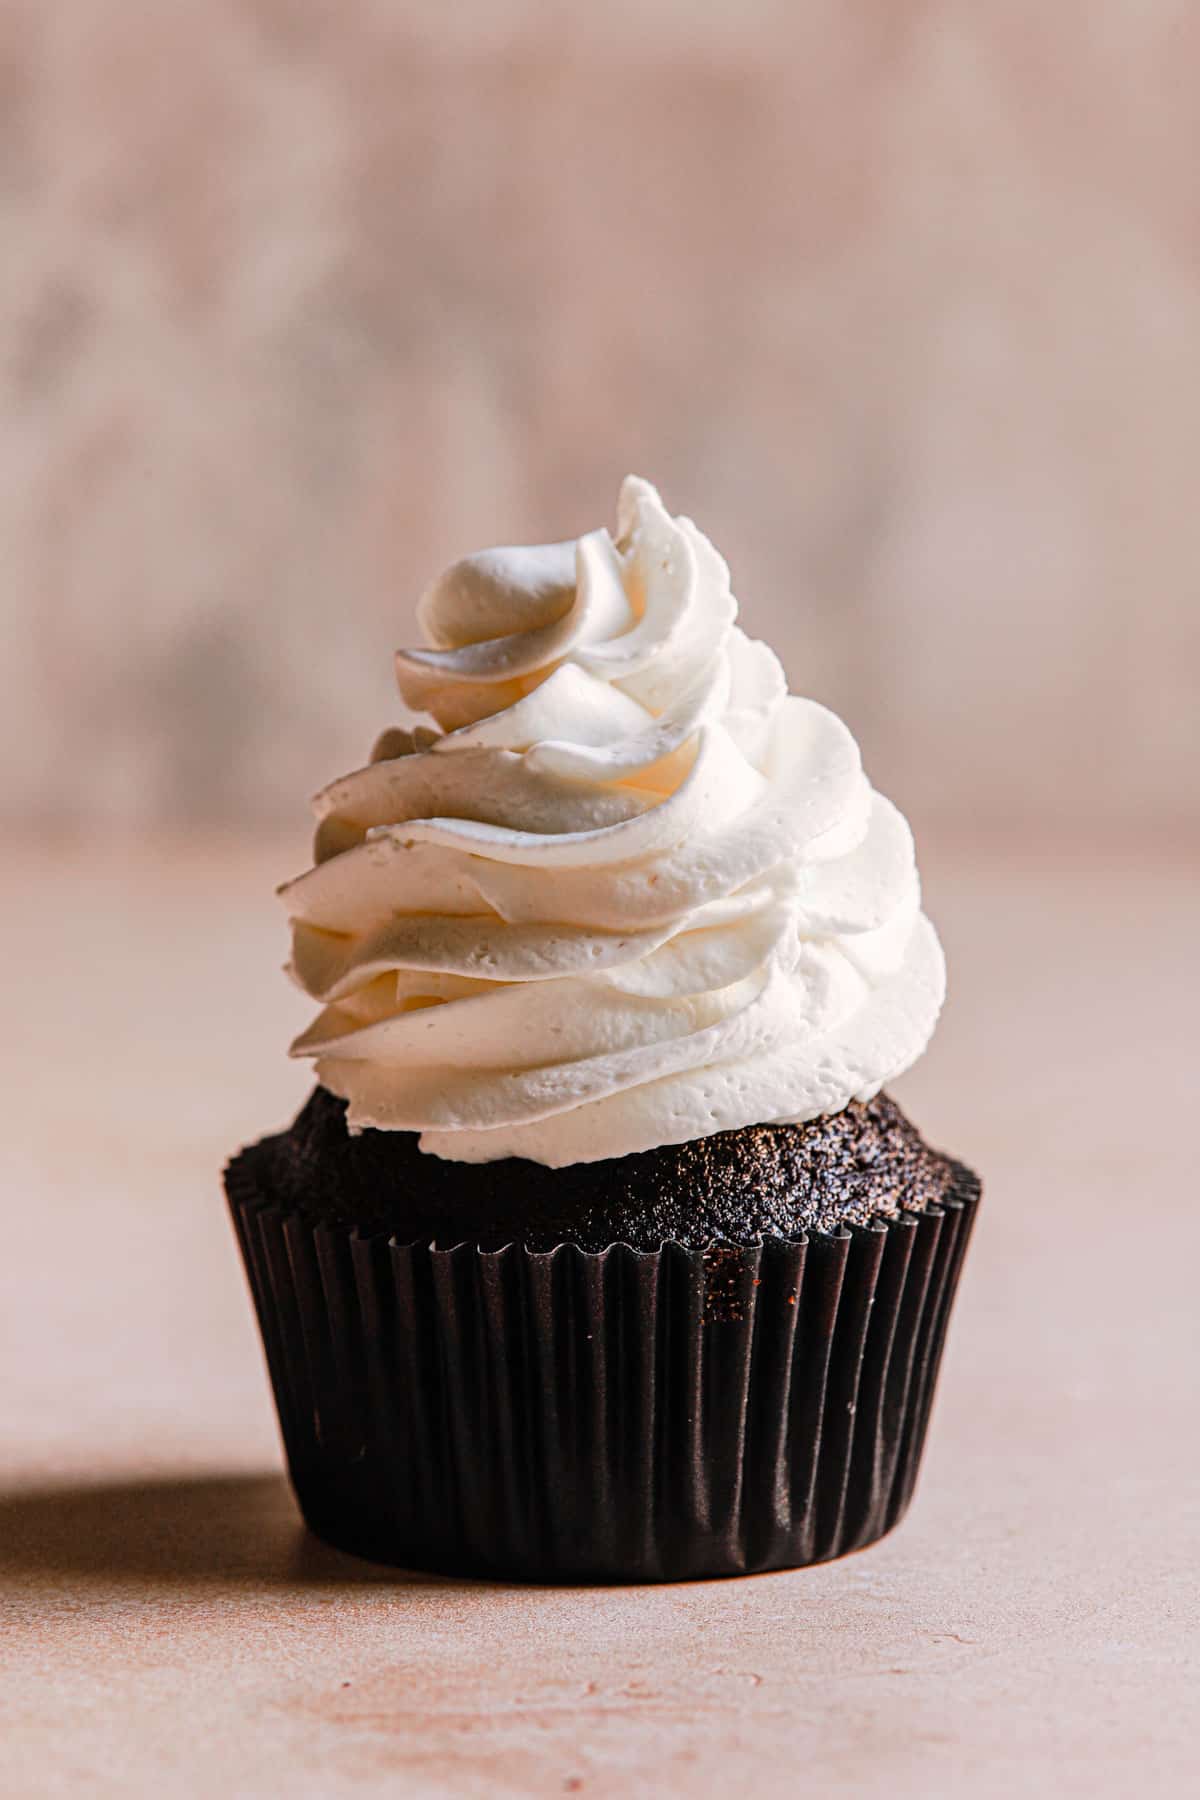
x=166, y=1627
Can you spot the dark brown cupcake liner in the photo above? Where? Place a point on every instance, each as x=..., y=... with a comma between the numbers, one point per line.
x=611, y=1416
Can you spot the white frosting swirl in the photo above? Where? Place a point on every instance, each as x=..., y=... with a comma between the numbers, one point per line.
x=632, y=893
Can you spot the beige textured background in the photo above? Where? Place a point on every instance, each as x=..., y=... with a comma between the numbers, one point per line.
x=901, y=298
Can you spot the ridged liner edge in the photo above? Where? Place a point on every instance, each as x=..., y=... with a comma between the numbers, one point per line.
x=602, y=1416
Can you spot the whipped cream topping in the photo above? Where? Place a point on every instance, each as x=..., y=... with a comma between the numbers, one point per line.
x=630, y=892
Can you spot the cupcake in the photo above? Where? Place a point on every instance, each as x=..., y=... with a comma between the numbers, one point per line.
x=599, y=1251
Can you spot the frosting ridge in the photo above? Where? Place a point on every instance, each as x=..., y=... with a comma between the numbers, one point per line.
x=630, y=892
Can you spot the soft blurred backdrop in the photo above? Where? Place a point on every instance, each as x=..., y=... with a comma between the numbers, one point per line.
x=299, y=299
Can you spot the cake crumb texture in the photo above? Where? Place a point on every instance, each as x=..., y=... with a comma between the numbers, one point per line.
x=865, y=1162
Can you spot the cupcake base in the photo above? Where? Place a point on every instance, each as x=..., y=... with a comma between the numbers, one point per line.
x=601, y=1416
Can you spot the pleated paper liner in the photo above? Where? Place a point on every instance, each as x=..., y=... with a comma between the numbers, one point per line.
x=611, y=1416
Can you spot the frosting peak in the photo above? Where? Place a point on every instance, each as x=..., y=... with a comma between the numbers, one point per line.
x=632, y=892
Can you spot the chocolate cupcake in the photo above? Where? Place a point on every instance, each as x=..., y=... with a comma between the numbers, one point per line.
x=598, y=1252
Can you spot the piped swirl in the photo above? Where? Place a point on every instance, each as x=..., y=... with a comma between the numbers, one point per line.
x=629, y=893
